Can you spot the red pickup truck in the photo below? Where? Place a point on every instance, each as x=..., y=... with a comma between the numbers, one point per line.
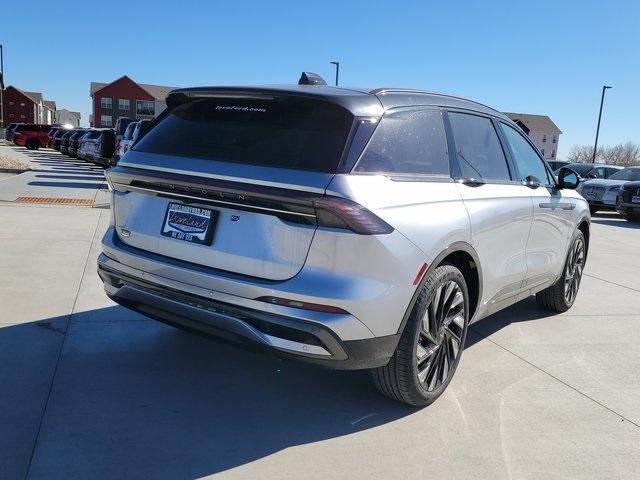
x=30, y=135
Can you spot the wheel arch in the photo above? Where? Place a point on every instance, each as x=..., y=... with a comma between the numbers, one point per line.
x=463, y=256
x=585, y=228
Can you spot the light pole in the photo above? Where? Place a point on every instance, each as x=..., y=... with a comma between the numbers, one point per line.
x=1, y=88
x=337, y=64
x=595, y=146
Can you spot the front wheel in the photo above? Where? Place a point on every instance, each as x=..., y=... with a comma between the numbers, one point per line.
x=431, y=343
x=33, y=144
x=560, y=296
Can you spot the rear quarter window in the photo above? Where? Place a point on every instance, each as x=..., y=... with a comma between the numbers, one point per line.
x=282, y=132
x=407, y=142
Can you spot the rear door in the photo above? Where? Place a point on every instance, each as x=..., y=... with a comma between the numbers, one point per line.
x=280, y=148
x=500, y=209
x=551, y=211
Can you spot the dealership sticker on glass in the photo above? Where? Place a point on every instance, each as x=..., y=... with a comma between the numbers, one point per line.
x=191, y=224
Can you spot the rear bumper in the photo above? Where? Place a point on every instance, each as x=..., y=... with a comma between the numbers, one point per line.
x=287, y=336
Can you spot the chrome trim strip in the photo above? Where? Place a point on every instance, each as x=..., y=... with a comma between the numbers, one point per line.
x=123, y=187
x=563, y=206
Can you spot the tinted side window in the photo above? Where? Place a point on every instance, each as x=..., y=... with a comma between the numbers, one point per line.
x=478, y=151
x=528, y=163
x=408, y=141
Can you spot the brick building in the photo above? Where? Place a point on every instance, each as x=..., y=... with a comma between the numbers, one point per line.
x=21, y=106
x=125, y=98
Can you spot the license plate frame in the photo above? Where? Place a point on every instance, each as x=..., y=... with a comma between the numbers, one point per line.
x=189, y=223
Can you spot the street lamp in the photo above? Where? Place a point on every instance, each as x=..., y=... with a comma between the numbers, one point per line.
x=1, y=88
x=595, y=147
x=337, y=64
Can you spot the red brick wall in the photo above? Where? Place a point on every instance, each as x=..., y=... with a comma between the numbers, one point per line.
x=13, y=113
x=123, y=88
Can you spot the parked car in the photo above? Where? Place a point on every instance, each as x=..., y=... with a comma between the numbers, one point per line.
x=343, y=227
x=8, y=132
x=74, y=141
x=31, y=135
x=629, y=199
x=84, y=146
x=65, y=140
x=125, y=141
x=119, y=129
x=602, y=194
x=98, y=147
x=557, y=164
x=50, y=135
x=56, y=139
x=588, y=171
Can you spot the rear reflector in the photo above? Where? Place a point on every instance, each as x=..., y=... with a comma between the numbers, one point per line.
x=420, y=274
x=316, y=307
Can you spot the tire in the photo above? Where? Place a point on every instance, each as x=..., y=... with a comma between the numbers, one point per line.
x=560, y=296
x=631, y=217
x=429, y=350
x=33, y=144
x=593, y=210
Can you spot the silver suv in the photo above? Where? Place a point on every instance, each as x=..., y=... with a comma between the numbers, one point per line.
x=351, y=228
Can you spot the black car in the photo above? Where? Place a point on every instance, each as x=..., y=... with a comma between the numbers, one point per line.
x=52, y=132
x=56, y=138
x=66, y=138
x=74, y=141
x=557, y=164
x=629, y=201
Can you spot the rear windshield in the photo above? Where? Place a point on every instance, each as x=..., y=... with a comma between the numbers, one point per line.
x=581, y=169
x=128, y=133
x=630, y=174
x=282, y=132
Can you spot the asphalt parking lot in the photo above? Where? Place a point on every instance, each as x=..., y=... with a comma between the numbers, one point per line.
x=91, y=390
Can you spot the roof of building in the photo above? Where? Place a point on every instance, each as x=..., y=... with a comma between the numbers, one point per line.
x=75, y=114
x=35, y=97
x=159, y=92
x=50, y=104
x=535, y=123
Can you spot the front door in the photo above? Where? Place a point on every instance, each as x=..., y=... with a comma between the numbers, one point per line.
x=550, y=229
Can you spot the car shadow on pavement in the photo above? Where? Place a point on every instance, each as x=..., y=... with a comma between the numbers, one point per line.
x=139, y=399
x=622, y=223
x=524, y=311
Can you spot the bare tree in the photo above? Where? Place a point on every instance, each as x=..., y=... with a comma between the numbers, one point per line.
x=622, y=154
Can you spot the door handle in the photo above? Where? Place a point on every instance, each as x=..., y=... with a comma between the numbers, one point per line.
x=563, y=206
x=472, y=182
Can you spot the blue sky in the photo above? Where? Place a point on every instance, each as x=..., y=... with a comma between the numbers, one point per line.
x=544, y=57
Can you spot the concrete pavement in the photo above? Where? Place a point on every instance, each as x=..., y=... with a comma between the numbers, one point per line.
x=92, y=390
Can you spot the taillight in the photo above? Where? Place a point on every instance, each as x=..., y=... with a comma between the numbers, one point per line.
x=342, y=213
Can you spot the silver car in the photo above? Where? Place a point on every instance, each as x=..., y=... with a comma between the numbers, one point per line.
x=603, y=193
x=350, y=228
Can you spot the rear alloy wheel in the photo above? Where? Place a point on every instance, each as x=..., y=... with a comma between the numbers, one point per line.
x=431, y=344
x=33, y=144
x=561, y=295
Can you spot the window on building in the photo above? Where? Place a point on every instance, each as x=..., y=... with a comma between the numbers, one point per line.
x=542, y=151
x=554, y=139
x=144, y=107
x=479, y=154
x=22, y=116
x=553, y=154
x=123, y=104
x=22, y=104
x=105, y=120
x=105, y=102
x=544, y=139
x=11, y=103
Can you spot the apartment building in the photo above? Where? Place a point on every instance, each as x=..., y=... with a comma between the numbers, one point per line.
x=125, y=98
x=66, y=117
x=541, y=130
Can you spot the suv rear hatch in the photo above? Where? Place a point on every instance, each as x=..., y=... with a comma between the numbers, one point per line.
x=231, y=180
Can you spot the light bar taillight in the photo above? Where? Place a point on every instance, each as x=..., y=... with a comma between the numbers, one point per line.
x=316, y=307
x=342, y=213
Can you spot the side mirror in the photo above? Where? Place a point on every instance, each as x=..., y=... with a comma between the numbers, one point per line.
x=567, y=178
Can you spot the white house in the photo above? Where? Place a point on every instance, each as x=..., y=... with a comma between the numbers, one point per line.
x=64, y=117
x=541, y=130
